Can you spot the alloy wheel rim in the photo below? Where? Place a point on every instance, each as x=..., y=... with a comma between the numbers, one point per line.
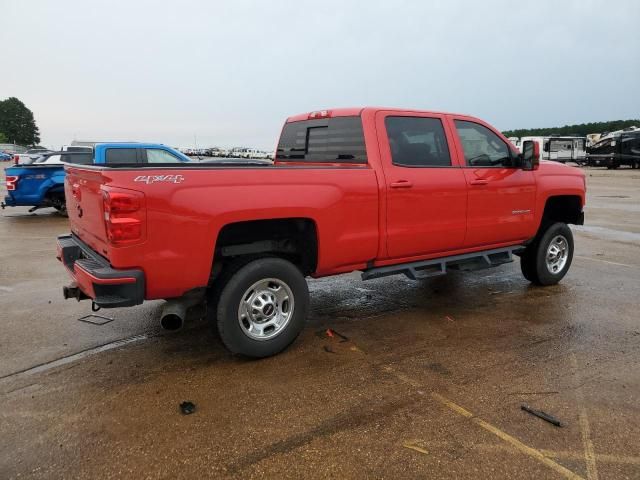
x=265, y=309
x=557, y=254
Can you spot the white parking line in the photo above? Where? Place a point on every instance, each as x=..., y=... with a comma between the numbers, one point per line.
x=606, y=261
x=72, y=358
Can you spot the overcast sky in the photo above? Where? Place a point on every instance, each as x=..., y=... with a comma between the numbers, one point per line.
x=230, y=72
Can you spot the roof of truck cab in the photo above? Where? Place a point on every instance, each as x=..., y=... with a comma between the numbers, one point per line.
x=356, y=111
x=131, y=145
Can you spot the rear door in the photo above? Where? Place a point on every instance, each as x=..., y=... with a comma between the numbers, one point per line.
x=425, y=187
x=501, y=195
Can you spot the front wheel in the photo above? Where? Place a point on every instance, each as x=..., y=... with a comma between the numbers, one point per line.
x=262, y=308
x=547, y=260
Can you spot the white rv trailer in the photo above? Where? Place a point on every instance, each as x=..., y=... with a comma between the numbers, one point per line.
x=561, y=149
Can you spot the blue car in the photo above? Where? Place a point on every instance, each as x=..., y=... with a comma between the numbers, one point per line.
x=41, y=184
x=5, y=157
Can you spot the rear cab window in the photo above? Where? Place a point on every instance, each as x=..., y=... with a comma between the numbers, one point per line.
x=326, y=140
x=79, y=158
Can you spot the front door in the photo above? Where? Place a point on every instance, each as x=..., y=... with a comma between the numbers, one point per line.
x=425, y=189
x=501, y=195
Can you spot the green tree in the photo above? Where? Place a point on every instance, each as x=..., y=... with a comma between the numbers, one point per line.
x=17, y=122
x=3, y=138
x=578, y=130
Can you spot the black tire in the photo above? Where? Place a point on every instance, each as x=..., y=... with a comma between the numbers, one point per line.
x=234, y=334
x=62, y=210
x=533, y=261
x=528, y=265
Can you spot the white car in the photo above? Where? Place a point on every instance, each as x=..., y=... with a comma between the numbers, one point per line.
x=49, y=160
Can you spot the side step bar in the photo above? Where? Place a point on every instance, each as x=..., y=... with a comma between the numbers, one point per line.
x=438, y=266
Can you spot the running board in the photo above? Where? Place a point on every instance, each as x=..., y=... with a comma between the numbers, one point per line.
x=438, y=266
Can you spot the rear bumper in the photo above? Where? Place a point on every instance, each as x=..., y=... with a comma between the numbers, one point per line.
x=94, y=278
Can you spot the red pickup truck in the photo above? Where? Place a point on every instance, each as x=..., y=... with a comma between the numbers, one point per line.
x=378, y=190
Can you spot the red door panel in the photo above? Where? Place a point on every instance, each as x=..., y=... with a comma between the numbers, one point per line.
x=500, y=205
x=426, y=205
x=501, y=195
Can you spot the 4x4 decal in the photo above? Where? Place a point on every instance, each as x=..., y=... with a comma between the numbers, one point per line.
x=148, y=179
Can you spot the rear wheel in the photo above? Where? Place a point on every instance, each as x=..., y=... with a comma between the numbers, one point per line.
x=262, y=308
x=58, y=202
x=547, y=260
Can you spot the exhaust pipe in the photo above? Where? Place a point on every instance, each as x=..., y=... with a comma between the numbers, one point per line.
x=174, y=311
x=173, y=315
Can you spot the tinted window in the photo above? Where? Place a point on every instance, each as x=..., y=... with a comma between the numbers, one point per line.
x=78, y=158
x=482, y=147
x=156, y=155
x=121, y=155
x=337, y=139
x=417, y=142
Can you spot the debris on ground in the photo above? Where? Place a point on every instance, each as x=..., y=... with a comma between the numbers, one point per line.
x=412, y=445
x=540, y=414
x=187, y=408
x=328, y=349
x=449, y=318
x=333, y=334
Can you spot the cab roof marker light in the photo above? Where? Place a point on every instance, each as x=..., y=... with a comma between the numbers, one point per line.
x=320, y=114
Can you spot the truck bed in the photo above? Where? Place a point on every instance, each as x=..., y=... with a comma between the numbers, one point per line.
x=185, y=206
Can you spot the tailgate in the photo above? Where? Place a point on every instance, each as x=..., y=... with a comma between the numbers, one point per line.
x=30, y=178
x=85, y=206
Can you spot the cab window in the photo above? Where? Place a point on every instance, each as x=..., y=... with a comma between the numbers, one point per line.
x=156, y=155
x=417, y=142
x=482, y=147
x=121, y=155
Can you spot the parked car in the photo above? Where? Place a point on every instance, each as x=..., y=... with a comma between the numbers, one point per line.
x=30, y=156
x=382, y=191
x=41, y=183
x=5, y=157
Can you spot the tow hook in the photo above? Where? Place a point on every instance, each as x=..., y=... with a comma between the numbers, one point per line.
x=72, y=291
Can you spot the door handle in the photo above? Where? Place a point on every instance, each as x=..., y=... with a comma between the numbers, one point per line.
x=401, y=184
x=480, y=181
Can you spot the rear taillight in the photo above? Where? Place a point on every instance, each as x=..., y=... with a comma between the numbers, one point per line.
x=124, y=216
x=12, y=180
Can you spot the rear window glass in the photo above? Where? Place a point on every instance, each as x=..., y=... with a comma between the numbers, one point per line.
x=337, y=139
x=121, y=155
x=78, y=158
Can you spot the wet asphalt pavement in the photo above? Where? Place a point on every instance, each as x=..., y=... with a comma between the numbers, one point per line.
x=421, y=379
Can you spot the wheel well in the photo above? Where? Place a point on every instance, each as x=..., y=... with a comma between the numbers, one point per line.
x=563, y=208
x=294, y=239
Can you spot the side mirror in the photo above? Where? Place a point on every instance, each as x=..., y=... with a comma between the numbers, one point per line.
x=530, y=155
